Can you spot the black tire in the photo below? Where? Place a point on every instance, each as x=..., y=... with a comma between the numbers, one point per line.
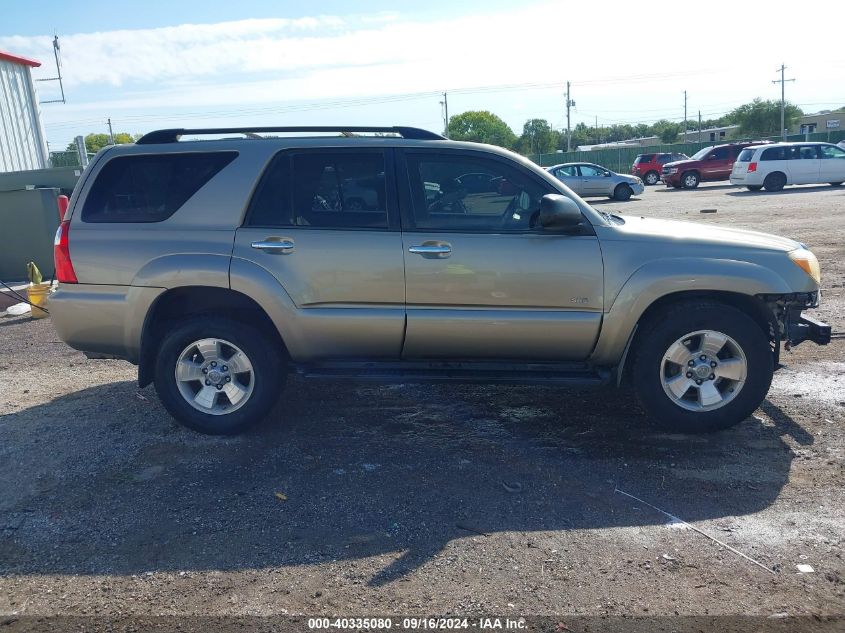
x=267, y=373
x=754, y=187
x=690, y=180
x=774, y=181
x=622, y=192
x=651, y=178
x=835, y=184
x=676, y=322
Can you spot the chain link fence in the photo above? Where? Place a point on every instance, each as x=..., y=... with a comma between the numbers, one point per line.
x=620, y=159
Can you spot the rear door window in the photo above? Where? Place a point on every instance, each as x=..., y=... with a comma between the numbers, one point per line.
x=150, y=187
x=323, y=189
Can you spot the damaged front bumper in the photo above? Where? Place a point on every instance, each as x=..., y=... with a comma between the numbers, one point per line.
x=802, y=328
x=795, y=327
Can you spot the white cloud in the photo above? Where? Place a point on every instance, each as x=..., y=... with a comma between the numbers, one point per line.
x=250, y=64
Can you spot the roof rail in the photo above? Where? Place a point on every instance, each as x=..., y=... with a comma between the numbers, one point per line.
x=172, y=135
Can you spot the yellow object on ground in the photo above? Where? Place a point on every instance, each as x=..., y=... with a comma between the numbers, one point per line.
x=37, y=295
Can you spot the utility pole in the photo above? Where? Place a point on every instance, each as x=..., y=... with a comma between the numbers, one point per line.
x=445, y=104
x=699, y=126
x=782, y=82
x=569, y=104
x=111, y=134
x=685, y=116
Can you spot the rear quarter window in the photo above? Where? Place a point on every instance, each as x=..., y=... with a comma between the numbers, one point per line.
x=150, y=187
x=745, y=156
x=644, y=158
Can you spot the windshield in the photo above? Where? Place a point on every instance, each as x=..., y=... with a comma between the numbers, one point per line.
x=701, y=153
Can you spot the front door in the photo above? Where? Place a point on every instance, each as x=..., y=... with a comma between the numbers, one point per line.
x=718, y=164
x=481, y=283
x=832, y=164
x=325, y=224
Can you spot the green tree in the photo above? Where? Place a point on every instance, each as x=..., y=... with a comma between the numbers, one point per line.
x=667, y=130
x=481, y=126
x=538, y=137
x=95, y=142
x=762, y=118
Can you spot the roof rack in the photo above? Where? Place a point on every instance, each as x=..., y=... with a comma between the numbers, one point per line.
x=172, y=135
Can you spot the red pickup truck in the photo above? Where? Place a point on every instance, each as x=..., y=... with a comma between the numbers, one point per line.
x=708, y=164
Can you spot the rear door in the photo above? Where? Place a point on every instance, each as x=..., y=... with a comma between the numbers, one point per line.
x=481, y=283
x=831, y=164
x=595, y=180
x=325, y=223
x=568, y=175
x=804, y=164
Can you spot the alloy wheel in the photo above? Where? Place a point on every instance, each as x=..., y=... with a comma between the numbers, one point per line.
x=703, y=370
x=214, y=376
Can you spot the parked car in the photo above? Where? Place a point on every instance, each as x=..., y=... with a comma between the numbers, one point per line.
x=587, y=179
x=208, y=265
x=649, y=166
x=706, y=165
x=774, y=166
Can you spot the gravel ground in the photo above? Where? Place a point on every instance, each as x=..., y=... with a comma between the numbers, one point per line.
x=364, y=500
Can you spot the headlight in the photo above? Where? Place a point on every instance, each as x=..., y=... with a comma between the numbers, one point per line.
x=806, y=261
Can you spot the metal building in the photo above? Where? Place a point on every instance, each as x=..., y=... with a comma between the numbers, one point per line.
x=22, y=142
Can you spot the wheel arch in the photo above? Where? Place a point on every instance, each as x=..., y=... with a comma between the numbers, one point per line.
x=185, y=301
x=786, y=178
x=751, y=305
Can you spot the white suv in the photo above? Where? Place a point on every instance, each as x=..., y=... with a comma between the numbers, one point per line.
x=774, y=166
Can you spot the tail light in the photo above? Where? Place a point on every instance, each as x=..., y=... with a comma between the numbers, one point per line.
x=61, y=255
x=62, y=202
x=752, y=167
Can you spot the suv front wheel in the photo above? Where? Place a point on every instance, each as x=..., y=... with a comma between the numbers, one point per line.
x=217, y=376
x=702, y=367
x=690, y=180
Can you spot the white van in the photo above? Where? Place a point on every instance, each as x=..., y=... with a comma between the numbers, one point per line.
x=774, y=166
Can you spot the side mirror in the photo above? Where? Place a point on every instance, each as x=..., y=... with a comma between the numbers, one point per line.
x=558, y=213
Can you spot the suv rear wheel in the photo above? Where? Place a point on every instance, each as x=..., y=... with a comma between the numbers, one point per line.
x=217, y=376
x=702, y=367
x=652, y=178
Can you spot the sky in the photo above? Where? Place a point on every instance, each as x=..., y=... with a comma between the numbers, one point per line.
x=183, y=63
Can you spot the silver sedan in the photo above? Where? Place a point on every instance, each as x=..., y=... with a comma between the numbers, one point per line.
x=587, y=179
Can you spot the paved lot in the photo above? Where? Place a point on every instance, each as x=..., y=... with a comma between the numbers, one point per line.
x=430, y=499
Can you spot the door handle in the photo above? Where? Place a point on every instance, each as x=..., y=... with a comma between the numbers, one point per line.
x=273, y=246
x=438, y=251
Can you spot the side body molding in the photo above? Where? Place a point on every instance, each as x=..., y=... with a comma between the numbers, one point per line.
x=663, y=277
